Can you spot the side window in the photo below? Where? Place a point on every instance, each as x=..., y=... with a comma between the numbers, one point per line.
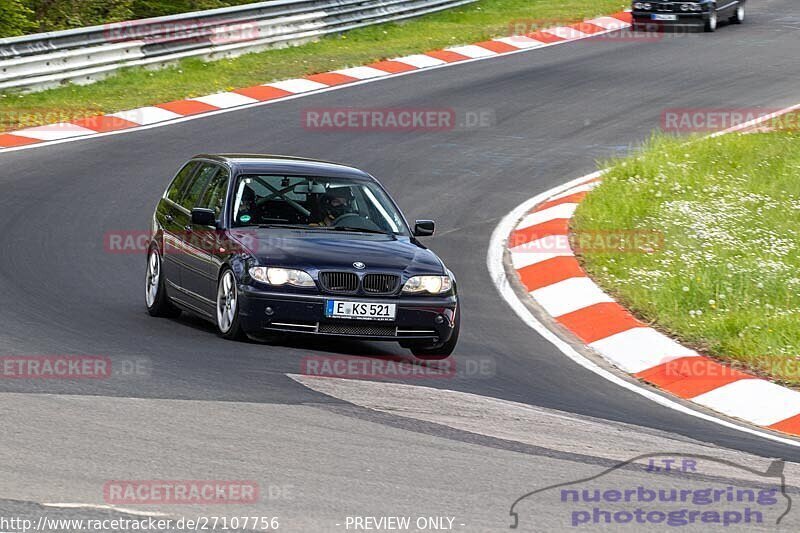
x=198, y=185
x=214, y=197
x=177, y=186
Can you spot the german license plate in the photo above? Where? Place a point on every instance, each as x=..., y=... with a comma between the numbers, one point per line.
x=360, y=310
x=657, y=16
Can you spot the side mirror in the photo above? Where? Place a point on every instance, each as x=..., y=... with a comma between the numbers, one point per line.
x=424, y=228
x=203, y=217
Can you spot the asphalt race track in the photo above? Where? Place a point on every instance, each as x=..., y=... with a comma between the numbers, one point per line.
x=207, y=408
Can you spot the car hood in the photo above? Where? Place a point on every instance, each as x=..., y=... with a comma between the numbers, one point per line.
x=312, y=250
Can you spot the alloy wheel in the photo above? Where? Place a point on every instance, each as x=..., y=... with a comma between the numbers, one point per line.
x=153, y=278
x=226, y=302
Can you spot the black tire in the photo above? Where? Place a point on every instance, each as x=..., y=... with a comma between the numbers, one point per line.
x=739, y=15
x=713, y=21
x=234, y=331
x=442, y=351
x=159, y=305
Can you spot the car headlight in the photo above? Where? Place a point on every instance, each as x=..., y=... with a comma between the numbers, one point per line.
x=282, y=276
x=429, y=284
x=638, y=5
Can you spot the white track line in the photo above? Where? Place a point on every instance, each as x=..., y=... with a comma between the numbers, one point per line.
x=225, y=100
x=569, y=295
x=564, y=211
x=471, y=50
x=142, y=115
x=53, y=132
x=625, y=351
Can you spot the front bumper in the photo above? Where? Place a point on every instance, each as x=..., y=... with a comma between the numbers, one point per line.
x=418, y=319
x=685, y=19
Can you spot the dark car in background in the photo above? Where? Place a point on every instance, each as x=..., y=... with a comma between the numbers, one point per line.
x=705, y=14
x=270, y=246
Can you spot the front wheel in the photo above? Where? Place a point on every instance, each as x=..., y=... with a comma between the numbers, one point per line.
x=442, y=351
x=739, y=16
x=713, y=20
x=156, y=298
x=228, y=324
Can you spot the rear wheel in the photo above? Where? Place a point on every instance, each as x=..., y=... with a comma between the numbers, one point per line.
x=713, y=20
x=441, y=351
x=158, y=303
x=228, y=323
x=739, y=16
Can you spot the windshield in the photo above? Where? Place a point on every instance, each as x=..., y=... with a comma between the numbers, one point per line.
x=314, y=203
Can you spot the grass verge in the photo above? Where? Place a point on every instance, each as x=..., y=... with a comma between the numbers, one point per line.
x=727, y=278
x=137, y=87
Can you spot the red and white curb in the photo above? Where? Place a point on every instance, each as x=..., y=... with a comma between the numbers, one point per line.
x=553, y=278
x=180, y=110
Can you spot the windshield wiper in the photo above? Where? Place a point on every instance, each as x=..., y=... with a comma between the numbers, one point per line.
x=285, y=226
x=326, y=228
x=359, y=230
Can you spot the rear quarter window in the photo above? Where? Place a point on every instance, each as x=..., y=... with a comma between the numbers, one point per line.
x=179, y=182
x=199, y=183
x=214, y=197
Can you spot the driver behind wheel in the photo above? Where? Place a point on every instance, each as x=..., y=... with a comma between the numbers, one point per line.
x=247, y=206
x=335, y=203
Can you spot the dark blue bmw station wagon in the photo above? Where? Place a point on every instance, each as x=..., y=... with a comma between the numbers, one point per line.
x=269, y=246
x=705, y=14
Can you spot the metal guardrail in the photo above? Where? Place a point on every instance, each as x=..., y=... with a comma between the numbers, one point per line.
x=84, y=55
